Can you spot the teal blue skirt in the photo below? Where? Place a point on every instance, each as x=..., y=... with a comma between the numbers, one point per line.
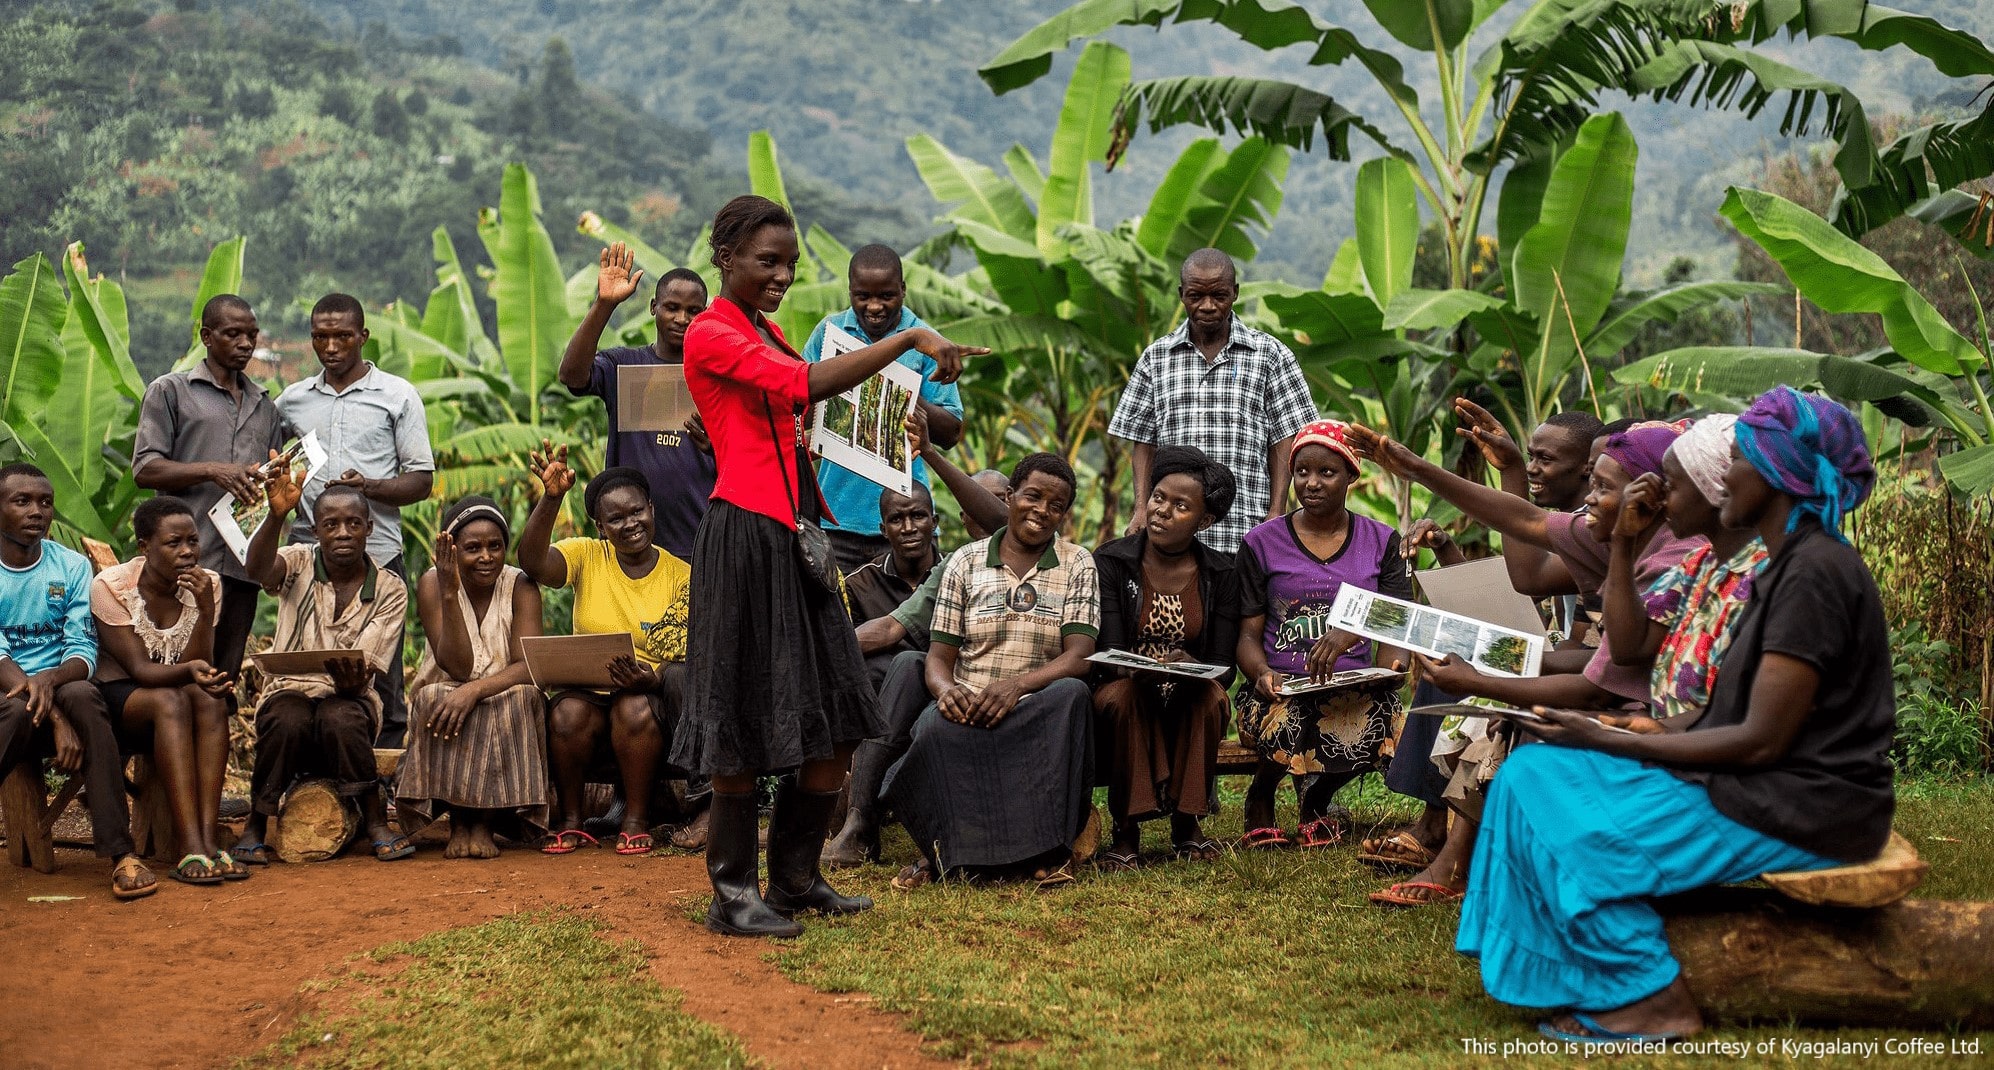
x=1573, y=844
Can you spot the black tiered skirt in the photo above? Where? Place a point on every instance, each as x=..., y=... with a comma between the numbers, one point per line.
x=774, y=677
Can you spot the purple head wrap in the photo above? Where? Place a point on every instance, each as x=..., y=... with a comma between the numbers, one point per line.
x=1810, y=448
x=1639, y=449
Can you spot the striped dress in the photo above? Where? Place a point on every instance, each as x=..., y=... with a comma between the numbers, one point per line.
x=498, y=759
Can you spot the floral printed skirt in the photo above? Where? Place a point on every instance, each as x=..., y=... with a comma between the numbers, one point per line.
x=1326, y=732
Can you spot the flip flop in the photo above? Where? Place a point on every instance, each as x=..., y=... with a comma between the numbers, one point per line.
x=1057, y=877
x=1197, y=850
x=1595, y=1033
x=634, y=843
x=179, y=872
x=1264, y=839
x=229, y=868
x=1118, y=861
x=130, y=868
x=1400, y=850
x=913, y=877
x=1322, y=832
x=254, y=854
x=393, y=850
x=1393, y=897
x=556, y=843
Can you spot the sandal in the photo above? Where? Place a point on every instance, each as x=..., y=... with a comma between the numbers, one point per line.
x=130, y=879
x=691, y=836
x=1055, y=877
x=913, y=877
x=1322, y=832
x=393, y=850
x=196, y=869
x=1590, y=1032
x=1400, y=850
x=1197, y=850
x=634, y=843
x=1265, y=839
x=255, y=854
x=1416, y=894
x=229, y=868
x=1118, y=861
x=567, y=841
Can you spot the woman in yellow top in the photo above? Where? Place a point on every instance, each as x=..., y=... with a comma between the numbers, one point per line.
x=623, y=583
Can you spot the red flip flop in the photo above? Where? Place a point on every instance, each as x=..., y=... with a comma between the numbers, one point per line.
x=1264, y=839
x=1393, y=897
x=558, y=843
x=634, y=843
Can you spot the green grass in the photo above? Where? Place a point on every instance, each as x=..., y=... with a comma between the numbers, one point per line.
x=522, y=991
x=1256, y=960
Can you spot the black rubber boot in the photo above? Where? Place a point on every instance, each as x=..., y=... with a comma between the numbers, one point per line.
x=858, y=842
x=738, y=909
x=796, y=839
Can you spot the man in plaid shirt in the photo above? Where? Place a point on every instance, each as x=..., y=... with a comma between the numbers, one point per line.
x=1221, y=386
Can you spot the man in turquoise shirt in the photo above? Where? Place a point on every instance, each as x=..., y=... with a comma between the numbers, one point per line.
x=879, y=310
x=48, y=649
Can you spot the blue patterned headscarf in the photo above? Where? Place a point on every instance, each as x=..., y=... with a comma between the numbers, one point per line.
x=1810, y=448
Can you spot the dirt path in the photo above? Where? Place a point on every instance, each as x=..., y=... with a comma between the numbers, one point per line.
x=172, y=980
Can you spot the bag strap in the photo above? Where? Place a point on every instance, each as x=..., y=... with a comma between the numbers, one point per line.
x=782, y=463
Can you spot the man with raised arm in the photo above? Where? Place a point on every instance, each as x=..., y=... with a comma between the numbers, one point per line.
x=206, y=432
x=1217, y=384
x=677, y=462
x=879, y=310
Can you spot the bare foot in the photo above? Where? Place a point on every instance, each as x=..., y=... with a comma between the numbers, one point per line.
x=460, y=840
x=1672, y=1010
x=482, y=843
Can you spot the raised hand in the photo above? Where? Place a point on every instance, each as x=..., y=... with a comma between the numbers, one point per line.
x=550, y=467
x=617, y=276
x=1642, y=505
x=947, y=355
x=1485, y=431
x=444, y=556
x=1423, y=534
x=284, y=488
x=1388, y=454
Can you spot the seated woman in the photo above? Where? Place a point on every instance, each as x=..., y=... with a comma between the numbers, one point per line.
x=1628, y=469
x=477, y=743
x=1165, y=595
x=1290, y=570
x=156, y=630
x=1000, y=769
x=1787, y=769
x=623, y=583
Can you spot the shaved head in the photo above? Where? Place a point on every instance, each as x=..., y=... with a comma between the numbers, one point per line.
x=1206, y=261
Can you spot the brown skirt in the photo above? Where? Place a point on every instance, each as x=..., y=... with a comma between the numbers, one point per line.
x=1162, y=752
x=497, y=761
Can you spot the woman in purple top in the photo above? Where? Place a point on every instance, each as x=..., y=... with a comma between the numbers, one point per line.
x=1290, y=570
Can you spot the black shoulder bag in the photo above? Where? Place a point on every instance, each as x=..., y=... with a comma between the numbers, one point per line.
x=813, y=548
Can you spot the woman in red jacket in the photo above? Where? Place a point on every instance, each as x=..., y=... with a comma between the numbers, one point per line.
x=775, y=680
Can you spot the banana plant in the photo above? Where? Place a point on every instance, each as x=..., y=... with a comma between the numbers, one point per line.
x=1929, y=376
x=1079, y=301
x=1532, y=90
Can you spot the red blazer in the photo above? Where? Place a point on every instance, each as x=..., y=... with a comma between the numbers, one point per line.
x=736, y=378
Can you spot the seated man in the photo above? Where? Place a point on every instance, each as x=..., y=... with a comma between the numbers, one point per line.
x=878, y=588
x=330, y=596
x=1000, y=769
x=902, y=636
x=48, y=649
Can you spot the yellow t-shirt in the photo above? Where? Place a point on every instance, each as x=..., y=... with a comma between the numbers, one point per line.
x=653, y=609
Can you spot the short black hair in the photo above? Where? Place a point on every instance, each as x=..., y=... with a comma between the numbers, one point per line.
x=740, y=218
x=679, y=274
x=1216, y=479
x=146, y=518
x=609, y=479
x=340, y=490
x=211, y=312
x=337, y=304
x=1208, y=259
x=875, y=257
x=22, y=468
x=1579, y=422
x=919, y=493
x=1616, y=426
x=1051, y=464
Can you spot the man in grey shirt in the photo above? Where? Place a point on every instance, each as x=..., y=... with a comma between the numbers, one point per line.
x=376, y=440
x=206, y=432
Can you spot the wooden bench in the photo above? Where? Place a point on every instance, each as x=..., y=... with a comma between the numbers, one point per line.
x=30, y=817
x=1236, y=759
x=1882, y=880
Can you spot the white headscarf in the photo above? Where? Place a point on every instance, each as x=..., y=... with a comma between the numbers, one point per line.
x=1704, y=451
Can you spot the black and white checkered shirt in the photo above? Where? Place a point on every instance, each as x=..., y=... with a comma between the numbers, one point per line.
x=1232, y=407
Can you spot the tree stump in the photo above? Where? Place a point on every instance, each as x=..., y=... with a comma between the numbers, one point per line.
x=314, y=822
x=30, y=818
x=1752, y=954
